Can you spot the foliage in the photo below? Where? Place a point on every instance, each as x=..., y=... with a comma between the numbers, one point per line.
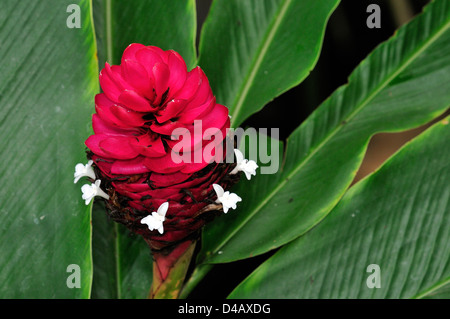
x=323, y=231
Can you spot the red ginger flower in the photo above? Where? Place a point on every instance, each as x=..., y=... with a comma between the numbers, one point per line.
x=147, y=97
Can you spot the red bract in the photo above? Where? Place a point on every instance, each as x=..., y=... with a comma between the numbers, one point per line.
x=144, y=99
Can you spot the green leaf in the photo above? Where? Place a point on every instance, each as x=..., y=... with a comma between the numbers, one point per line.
x=398, y=219
x=440, y=293
x=168, y=25
x=47, y=86
x=105, y=280
x=252, y=51
x=134, y=265
x=122, y=260
x=123, y=264
x=401, y=85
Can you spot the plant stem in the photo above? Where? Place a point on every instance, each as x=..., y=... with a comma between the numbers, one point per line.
x=169, y=271
x=198, y=274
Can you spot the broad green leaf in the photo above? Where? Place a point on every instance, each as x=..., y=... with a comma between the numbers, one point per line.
x=397, y=219
x=47, y=85
x=134, y=265
x=166, y=24
x=254, y=50
x=404, y=83
x=106, y=272
x=122, y=261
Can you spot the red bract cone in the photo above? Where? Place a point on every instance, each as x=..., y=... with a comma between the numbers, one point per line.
x=147, y=100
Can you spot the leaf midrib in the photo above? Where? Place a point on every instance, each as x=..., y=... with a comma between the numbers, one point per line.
x=432, y=289
x=429, y=41
x=108, y=31
x=255, y=66
x=109, y=58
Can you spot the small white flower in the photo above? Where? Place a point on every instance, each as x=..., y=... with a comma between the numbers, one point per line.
x=83, y=170
x=247, y=166
x=90, y=191
x=156, y=219
x=227, y=199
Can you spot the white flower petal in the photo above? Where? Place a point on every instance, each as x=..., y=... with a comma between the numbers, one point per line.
x=218, y=189
x=79, y=168
x=83, y=170
x=239, y=155
x=247, y=166
x=162, y=210
x=235, y=198
x=151, y=222
x=99, y=191
x=90, y=191
x=228, y=200
x=86, y=189
x=156, y=219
